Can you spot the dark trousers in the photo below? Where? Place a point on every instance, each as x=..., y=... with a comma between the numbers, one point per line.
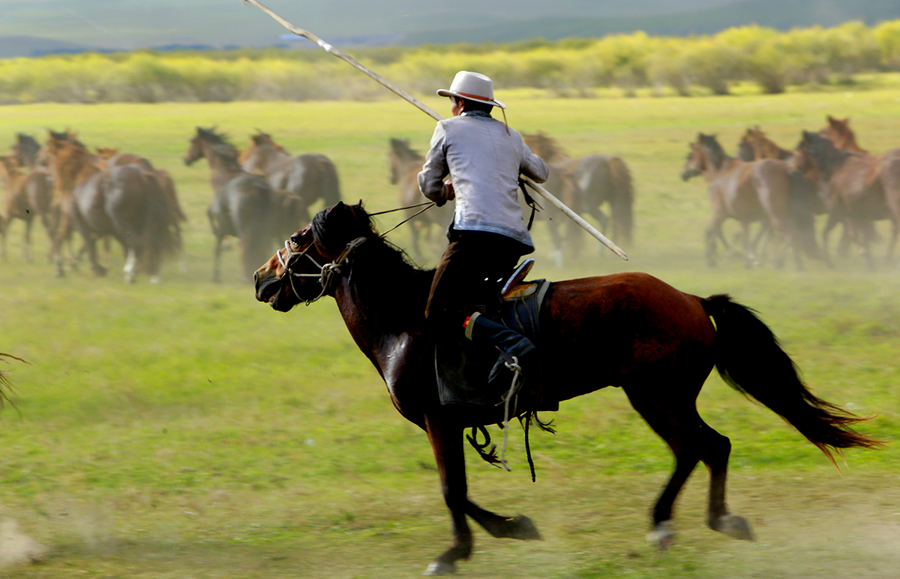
x=468, y=277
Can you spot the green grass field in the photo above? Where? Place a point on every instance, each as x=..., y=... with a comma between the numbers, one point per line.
x=184, y=430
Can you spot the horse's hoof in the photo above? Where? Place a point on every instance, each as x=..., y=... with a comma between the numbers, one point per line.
x=523, y=528
x=662, y=535
x=440, y=568
x=735, y=526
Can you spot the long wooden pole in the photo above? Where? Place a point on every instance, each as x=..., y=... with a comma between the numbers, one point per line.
x=418, y=104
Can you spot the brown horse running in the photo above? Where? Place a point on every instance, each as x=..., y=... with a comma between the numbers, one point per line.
x=628, y=330
x=244, y=205
x=749, y=192
x=860, y=189
x=311, y=176
x=29, y=195
x=755, y=145
x=587, y=184
x=405, y=163
x=123, y=202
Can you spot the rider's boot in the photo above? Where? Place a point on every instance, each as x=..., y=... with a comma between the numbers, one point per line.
x=519, y=349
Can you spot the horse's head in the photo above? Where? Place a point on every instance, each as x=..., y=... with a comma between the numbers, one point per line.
x=544, y=147
x=196, y=147
x=299, y=272
x=403, y=159
x=695, y=162
x=838, y=131
x=9, y=166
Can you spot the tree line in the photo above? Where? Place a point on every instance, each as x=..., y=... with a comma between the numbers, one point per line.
x=712, y=64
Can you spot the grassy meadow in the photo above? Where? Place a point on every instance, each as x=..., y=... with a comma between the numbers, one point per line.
x=183, y=430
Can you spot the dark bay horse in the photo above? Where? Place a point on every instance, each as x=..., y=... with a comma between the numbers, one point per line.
x=749, y=192
x=627, y=330
x=587, y=184
x=311, y=176
x=859, y=189
x=405, y=164
x=29, y=195
x=244, y=205
x=123, y=202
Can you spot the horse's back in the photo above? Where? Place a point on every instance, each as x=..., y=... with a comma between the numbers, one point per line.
x=624, y=329
x=314, y=176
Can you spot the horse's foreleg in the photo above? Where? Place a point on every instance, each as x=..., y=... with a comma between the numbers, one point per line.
x=217, y=260
x=447, y=445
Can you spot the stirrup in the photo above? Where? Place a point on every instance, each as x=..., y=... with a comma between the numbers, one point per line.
x=517, y=276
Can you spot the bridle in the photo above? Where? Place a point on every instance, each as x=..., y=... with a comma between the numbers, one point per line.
x=328, y=273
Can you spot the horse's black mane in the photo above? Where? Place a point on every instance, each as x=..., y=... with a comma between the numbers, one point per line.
x=219, y=142
x=823, y=152
x=381, y=272
x=716, y=153
x=28, y=146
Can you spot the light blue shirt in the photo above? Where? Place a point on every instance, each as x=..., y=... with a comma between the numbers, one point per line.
x=484, y=162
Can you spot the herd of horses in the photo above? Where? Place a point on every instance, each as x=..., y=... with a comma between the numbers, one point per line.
x=260, y=195
x=263, y=193
x=827, y=173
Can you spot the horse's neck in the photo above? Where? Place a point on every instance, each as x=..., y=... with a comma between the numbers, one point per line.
x=222, y=168
x=74, y=172
x=274, y=159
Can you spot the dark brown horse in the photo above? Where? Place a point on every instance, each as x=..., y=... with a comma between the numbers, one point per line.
x=405, y=163
x=244, y=205
x=123, y=202
x=311, y=176
x=587, y=184
x=627, y=330
x=749, y=192
x=29, y=194
x=857, y=189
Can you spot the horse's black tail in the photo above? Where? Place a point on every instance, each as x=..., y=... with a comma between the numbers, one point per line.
x=750, y=359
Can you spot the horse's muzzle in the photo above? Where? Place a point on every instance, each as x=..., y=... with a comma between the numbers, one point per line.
x=269, y=289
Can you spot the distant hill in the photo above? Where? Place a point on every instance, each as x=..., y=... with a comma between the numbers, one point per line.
x=29, y=28
x=11, y=46
x=778, y=14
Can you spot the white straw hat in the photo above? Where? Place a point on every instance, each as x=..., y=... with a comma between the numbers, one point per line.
x=473, y=86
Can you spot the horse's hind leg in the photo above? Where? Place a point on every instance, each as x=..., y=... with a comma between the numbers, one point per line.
x=691, y=441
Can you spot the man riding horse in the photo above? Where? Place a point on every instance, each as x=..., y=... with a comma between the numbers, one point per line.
x=483, y=158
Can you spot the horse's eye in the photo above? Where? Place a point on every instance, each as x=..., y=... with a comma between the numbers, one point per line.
x=295, y=242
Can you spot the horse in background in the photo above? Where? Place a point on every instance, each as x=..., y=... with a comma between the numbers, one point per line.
x=755, y=145
x=28, y=195
x=586, y=184
x=838, y=131
x=122, y=202
x=749, y=192
x=244, y=205
x=405, y=164
x=857, y=189
x=311, y=177
x=163, y=177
